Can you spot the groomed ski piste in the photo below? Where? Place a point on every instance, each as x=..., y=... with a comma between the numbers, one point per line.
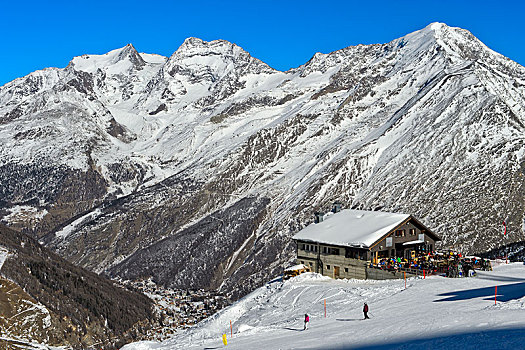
x=431, y=313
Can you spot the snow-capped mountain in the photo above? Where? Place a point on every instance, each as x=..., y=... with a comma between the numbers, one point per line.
x=198, y=168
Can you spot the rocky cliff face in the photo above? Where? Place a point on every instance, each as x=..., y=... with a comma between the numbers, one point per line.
x=122, y=160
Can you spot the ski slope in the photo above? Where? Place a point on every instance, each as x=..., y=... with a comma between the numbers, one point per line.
x=3, y=256
x=431, y=313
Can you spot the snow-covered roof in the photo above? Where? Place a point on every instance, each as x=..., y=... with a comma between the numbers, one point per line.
x=296, y=267
x=354, y=228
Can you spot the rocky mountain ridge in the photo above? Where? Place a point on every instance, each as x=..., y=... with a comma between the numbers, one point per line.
x=117, y=153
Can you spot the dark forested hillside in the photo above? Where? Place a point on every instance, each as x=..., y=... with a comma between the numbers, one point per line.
x=89, y=308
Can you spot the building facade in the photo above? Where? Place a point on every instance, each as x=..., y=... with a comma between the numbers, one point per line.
x=347, y=242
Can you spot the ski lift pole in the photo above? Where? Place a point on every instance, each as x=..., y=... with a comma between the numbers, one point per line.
x=505, y=238
x=506, y=250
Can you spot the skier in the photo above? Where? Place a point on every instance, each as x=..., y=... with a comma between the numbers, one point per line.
x=306, y=320
x=365, y=311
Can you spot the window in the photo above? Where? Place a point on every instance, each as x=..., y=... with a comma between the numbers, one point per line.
x=346, y=269
x=412, y=231
x=311, y=248
x=354, y=253
x=328, y=267
x=302, y=262
x=382, y=254
x=334, y=251
x=310, y=263
x=400, y=233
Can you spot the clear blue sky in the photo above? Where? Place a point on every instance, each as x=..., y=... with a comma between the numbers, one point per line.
x=284, y=34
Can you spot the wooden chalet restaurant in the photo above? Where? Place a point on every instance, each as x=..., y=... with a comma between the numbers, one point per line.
x=352, y=243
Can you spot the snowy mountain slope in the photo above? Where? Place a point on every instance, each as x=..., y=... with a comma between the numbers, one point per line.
x=3, y=256
x=117, y=152
x=431, y=313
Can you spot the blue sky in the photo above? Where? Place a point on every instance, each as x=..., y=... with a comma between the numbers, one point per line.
x=284, y=34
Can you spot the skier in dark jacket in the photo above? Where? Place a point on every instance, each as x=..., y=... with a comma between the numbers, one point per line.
x=365, y=311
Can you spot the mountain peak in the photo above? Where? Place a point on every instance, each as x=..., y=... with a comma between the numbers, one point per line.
x=90, y=63
x=193, y=41
x=452, y=40
x=129, y=52
x=195, y=46
x=218, y=55
x=436, y=26
x=458, y=43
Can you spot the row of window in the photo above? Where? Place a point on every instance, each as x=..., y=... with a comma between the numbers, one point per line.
x=313, y=248
x=355, y=254
x=331, y=251
x=327, y=266
x=309, y=247
x=401, y=233
x=349, y=252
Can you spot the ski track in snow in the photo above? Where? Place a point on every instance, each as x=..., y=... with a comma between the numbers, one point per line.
x=431, y=313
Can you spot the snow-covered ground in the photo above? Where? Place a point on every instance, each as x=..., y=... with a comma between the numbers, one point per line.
x=3, y=256
x=431, y=313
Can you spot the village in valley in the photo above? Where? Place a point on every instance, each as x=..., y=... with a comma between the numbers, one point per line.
x=177, y=308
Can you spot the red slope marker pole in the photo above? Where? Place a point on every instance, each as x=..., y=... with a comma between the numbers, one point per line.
x=325, y=308
x=405, y=274
x=231, y=329
x=495, y=295
x=424, y=274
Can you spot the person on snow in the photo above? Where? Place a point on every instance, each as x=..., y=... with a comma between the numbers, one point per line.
x=365, y=311
x=306, y=320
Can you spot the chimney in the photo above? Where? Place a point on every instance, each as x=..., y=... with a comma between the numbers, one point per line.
x=318, y=217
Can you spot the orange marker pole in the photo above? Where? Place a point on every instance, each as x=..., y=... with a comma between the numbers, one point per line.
x=325, y=308
x=231, y=329
x=424, y=274
x=495, y=295
x=405, y=274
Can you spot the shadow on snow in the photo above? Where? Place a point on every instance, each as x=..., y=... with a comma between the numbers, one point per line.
x=349, y=319
x=501, y=339
x=294, y=329
x=505, y=293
